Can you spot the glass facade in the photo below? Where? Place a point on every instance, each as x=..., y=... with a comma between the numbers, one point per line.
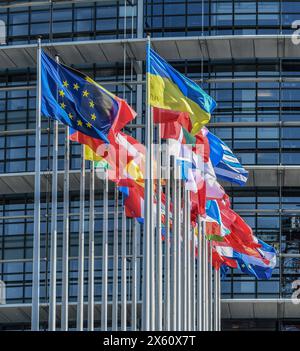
x=257, y=116
x=214, y=17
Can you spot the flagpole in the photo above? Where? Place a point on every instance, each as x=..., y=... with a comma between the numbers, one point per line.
x=104, y=254
x=148, y=226
x=215, y=301
x=91, y=284
x=205, y=279
x=65, y=248
x=210, y=286
x=159, y=297
x=134, y=276
x=53, y=250
x=192, y=247
x=124, y=274
x=178, y=243
x=53, y=253
x=152, y=264
x=167, y=295
x=116, y=263
x=219, y=301
x=80, y=296
x=189, y=264
x=35, y=319
x=200, y=277
x=185, y=263
x=173, y=318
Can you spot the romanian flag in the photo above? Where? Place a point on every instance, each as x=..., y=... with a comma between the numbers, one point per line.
x=168, y=89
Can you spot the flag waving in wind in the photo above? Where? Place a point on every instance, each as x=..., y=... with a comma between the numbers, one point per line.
x=79, y=102
x=171, y=90
x=225, y=163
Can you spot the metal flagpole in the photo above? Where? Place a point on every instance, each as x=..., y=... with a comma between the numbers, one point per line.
x=178, y=243
x=116, y=263
x=53, y=253
x=189, y=263
x=173, y=319
x=184, y=284
x=210, y=286
x=158, y=297
x=104, y=254
x=215, y=301
x=205, y=279
x=219, y=301
x=80, y=296
x=124, y=274
x=167, y=246
x=91, y=286
x=65, y=247
x=53, y=250
x=134, y=277
x=152, y=264
x=148, y=226
x=35, y=318
x=200, y=277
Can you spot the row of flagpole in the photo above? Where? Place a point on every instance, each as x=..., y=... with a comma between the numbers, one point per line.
x=178, y=289
x=182, y=278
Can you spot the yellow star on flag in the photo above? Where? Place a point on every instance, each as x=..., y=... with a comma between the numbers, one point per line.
x=86, y=93
x=61, y=93
x=76, y=86
x=79, y=123
x=92, y=104
x=88, y=124
x=71, y=116
x=63, y=105
x=93, y=116
x=65, y=83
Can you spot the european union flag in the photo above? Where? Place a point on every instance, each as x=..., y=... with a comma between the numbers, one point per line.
x=76, y=100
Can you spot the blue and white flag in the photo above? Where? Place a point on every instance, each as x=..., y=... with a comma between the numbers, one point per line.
x=225, y=163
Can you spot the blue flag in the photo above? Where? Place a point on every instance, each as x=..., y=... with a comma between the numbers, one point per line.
x=225, y=163
x=76, y=100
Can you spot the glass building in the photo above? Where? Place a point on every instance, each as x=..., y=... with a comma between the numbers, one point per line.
x=241, y=52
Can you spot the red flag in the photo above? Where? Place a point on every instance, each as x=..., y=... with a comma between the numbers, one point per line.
x=219, y=260
x=203, y=142
x=168, y=116
x=125, y=115
x=134, y=199
x=122, y=149
x=238, y=227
